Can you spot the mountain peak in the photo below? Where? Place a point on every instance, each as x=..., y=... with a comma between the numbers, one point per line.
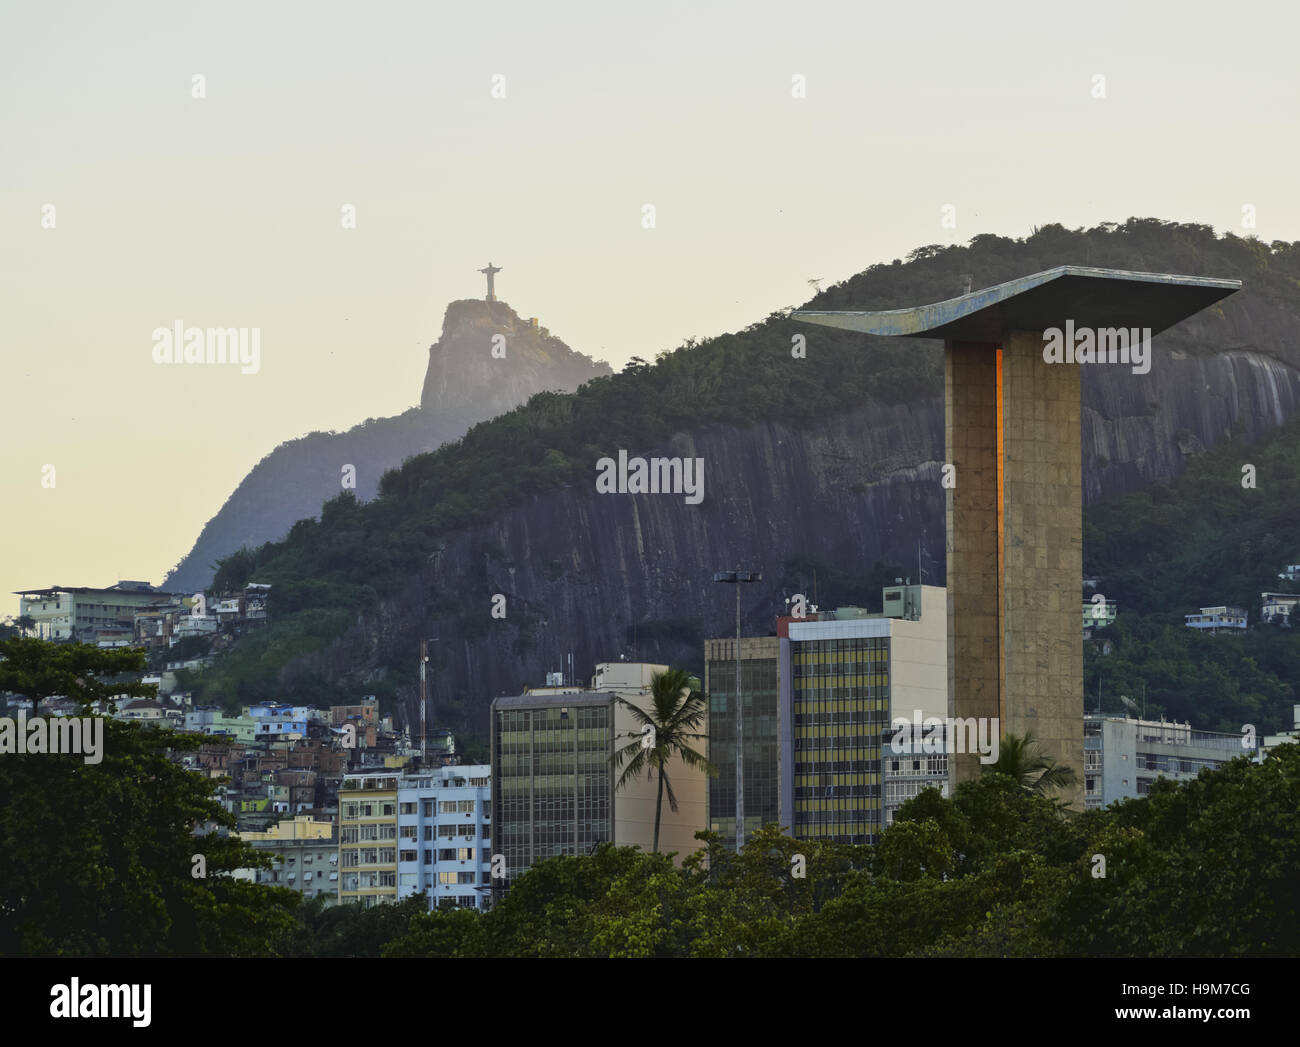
x=506, y=370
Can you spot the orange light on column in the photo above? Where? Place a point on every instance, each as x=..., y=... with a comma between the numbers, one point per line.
x=1002, y=661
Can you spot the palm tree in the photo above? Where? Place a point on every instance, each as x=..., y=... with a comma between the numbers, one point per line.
x=1023, y=760
x=676, y=709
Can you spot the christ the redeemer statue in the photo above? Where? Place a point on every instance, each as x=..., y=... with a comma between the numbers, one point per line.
x=491, y=272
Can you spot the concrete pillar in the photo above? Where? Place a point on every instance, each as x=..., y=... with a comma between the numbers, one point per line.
x=1015, y=549
x=971, y=509
x=1042, y=571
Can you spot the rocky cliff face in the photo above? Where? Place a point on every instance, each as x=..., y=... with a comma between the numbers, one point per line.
x=498, y=359
x=604, y=575
x=464, y=385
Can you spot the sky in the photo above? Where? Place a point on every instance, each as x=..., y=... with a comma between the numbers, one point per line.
x=775, y=143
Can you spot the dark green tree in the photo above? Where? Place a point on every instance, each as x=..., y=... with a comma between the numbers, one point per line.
x=98, y=859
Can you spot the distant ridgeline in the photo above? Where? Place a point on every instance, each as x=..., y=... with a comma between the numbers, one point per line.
x=823, y=450
x=463, y=384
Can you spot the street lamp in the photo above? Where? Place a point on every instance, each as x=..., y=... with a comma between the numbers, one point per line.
x=424, y=658
x=736, y=578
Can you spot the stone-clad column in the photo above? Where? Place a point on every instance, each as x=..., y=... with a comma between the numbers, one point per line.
x=1042, y=570
x=971, y=506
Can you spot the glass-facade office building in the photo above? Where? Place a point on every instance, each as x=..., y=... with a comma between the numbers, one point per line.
x=840, y=706
x=761, y=738
x=552, y=788
x=845, y=675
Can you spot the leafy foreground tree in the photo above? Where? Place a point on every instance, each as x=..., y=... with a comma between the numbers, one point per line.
x=1209, y=867
x=97, y=859
x=622, y=902
x=326, y=930
x=677, y=709
x=1203, y=868
x=1022, y=760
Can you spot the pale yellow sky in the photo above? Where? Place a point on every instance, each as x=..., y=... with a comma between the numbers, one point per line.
x=225, y=211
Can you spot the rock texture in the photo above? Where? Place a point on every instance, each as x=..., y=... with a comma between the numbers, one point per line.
x=601, y=576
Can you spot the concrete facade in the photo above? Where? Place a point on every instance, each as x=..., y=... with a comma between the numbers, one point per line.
x=444, y=836
x=305, y=855
x=1042, y=541
x=1015, y=547
x=1123, y=755
x=634, y=804
x=971, y=509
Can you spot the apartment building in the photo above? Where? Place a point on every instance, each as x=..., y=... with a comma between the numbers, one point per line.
x=1215, y=619
x=305, y=853
x=444, y=835
x=82, y=613
x=368, y=838
x=1123, y=756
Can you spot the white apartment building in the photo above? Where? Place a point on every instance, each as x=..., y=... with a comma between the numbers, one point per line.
x=1123, y=756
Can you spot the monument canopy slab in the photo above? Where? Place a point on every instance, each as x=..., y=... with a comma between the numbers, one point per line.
x=1089, y=297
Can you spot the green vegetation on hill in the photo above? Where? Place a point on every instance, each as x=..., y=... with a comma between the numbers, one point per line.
x=325, y=572
x=1201, y=541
